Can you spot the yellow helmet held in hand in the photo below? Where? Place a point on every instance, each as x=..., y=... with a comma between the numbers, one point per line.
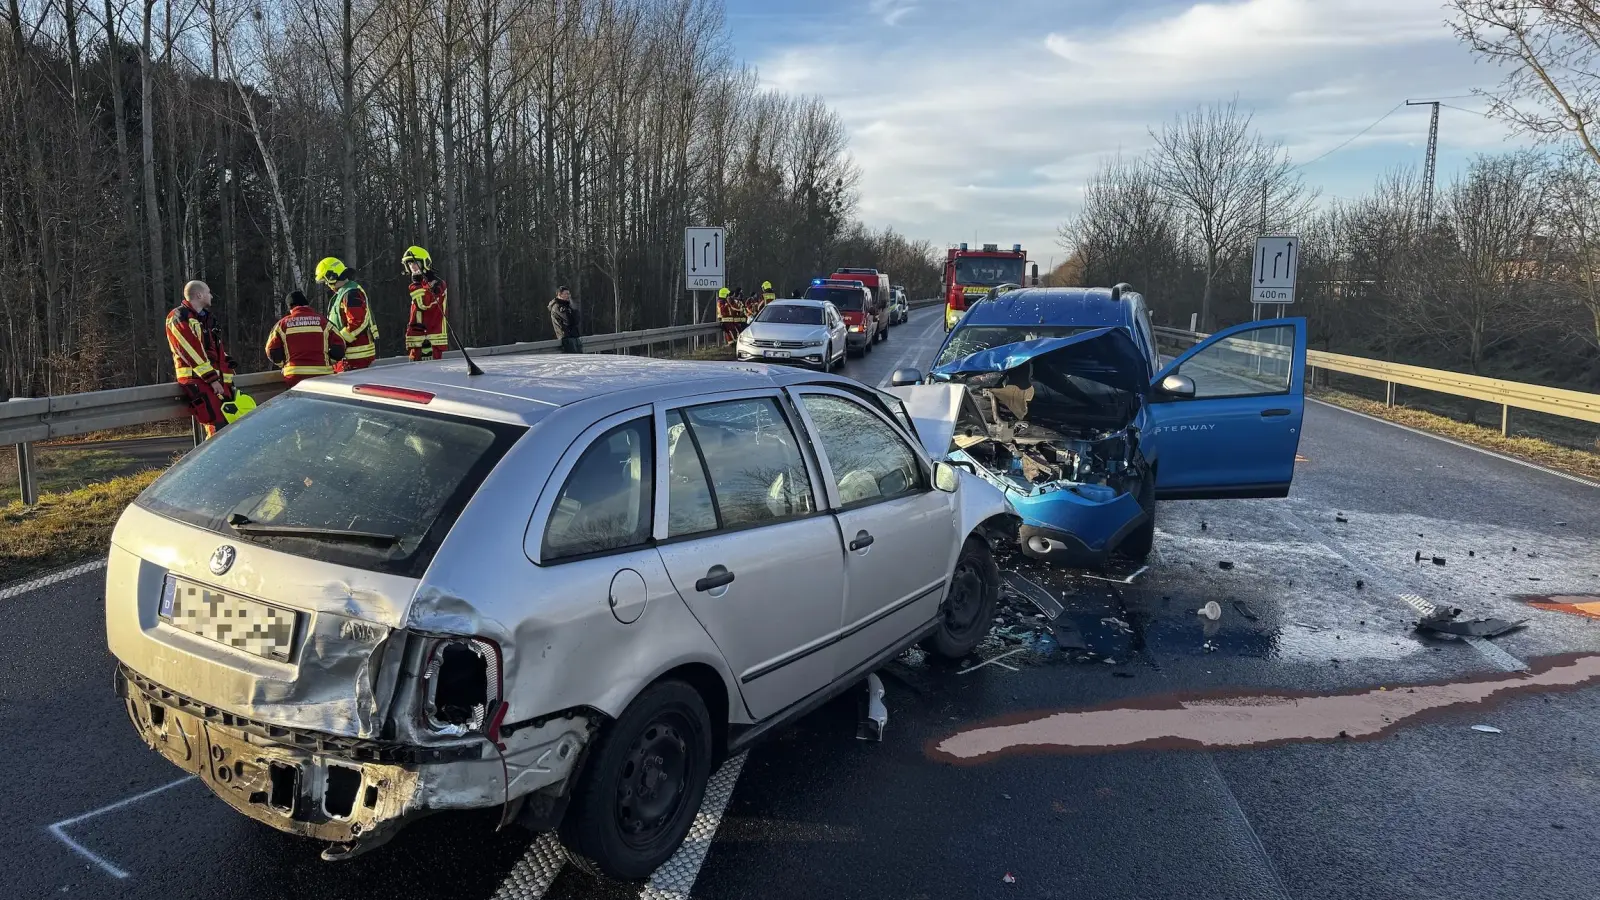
x=235, y=409
x=331, y=269
x=415, y=254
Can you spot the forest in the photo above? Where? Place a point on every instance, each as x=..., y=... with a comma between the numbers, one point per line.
x=525, y=143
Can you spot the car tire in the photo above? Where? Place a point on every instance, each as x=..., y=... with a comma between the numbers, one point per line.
x=1138, y=545
x=884, y=334
x=661, y=744
x=969, y=603
x=867, y=347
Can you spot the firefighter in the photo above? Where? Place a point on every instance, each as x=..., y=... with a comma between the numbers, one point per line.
x=727, y=315
x=350, y=314
x=427, y=330
x=304, y=344
x=768, y=295
x=741, y=308
x=204, y=370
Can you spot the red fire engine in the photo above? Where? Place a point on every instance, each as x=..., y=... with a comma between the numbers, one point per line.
x=970, y=274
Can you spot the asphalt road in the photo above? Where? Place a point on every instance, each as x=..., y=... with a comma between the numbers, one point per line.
x=1406, y=805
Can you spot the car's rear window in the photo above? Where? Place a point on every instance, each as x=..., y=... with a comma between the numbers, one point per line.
x=844, y=298
x=791, y=314
x=311, y=462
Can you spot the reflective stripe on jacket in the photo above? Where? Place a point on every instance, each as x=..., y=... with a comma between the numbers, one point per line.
x=197, y=351
x=304, y=343
x=352, y=318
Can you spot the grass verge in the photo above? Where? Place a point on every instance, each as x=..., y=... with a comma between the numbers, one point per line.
x=66, y=527
x=1534, y=450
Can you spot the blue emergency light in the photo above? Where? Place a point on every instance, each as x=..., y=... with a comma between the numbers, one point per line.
x=817, y=281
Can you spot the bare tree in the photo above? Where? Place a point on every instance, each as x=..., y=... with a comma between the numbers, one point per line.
x=1550, y=50
x=1220, y=173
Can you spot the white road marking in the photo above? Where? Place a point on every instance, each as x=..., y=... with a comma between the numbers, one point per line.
x=676, y=877
x=1439, y=437
x=995, y=660
x=535, y=871
x=44, y=581
x=59, y=829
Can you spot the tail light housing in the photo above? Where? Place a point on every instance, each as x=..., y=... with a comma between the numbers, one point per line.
x=462, y=685
x=957, y=299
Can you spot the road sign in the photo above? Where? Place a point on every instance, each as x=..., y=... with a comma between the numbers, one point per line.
x=1276, y=262
x=705, y=258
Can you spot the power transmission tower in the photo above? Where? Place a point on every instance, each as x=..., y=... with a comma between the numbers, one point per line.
x=1432, y=161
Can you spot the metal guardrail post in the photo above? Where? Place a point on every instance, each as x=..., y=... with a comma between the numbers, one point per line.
x=25, y=475
x=197, y=431
x=1388, y=393
x=1505, y=420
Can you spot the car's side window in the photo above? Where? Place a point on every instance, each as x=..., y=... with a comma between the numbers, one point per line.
x=1255, y=361
x=870, y=462
x=605, y=503
x=750, y=471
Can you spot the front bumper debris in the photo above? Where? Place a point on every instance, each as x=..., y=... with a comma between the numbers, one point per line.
x=351, y=793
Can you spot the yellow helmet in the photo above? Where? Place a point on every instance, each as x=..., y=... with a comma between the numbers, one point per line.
x=416, y=254
x=235, y=409
x=330, y=270
x=723, y=294
x=766, y=285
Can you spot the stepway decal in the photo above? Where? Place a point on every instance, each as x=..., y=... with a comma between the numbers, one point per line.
x=1200, y=427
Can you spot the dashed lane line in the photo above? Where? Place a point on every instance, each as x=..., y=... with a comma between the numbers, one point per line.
x=1462, y=444
x=45, y=581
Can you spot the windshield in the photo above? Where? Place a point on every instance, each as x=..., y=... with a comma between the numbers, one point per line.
x=977, y=338
x=314, y=463
x=844, y=298
x=988, y=271
x=791, y=314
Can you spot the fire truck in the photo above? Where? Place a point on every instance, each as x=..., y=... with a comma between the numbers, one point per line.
x=970, y=274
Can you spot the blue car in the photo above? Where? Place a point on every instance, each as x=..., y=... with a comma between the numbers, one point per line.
x=1059, y=397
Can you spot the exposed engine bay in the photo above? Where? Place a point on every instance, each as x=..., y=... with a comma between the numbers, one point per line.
x=1037, y=436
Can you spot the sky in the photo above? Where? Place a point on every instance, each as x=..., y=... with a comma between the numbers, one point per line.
x=980, y=120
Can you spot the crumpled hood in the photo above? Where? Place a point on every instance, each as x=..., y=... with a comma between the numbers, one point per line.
x=1104, y=355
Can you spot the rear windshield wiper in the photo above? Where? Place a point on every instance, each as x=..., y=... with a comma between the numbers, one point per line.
x=244, y=525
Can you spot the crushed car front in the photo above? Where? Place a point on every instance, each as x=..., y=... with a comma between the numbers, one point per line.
x=259, y=603
x=1054, y=421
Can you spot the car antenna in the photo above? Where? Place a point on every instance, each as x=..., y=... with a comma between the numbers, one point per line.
x=472, y=367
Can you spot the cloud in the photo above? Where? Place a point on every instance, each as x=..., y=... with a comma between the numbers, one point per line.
x=990, y=124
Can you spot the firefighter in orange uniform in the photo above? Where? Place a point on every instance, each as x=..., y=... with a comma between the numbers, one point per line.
x=304, y=343
x=205, y=373
x=351, y=315
x=427, y=329
x=768, y=295
x=728, y=315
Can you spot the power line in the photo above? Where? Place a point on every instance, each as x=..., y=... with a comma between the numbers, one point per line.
x=1352, y=138
x=1465, y=110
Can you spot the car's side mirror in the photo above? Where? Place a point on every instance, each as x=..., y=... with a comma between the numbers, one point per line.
x=945, y=478
x=1034, y=280
x=1177, y=387
x=903, y=377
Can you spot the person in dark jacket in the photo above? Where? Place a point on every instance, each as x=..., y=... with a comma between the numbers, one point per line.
x=564, y=319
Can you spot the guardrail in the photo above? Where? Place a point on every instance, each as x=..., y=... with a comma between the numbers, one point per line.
x=24, y=421
x=1538, y=398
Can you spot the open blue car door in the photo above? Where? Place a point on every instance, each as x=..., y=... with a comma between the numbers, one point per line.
x=1236, y=434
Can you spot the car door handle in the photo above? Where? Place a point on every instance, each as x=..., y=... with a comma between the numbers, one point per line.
x=862, y=541
x=1269, y=413
x=715, y=578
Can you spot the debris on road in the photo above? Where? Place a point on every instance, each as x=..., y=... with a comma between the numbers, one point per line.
x=1224, y=565
x=1487, y=729
x=1121, y=674
x=1244, y=609
x=874, y=715
x=1418, y=557
x=1212, y=610
x=1445, y=621
x=1308, y=626
x=1360, y=584
x=1340, y=518
x=1010, y=878
x=1438, y=560
x=1202, y=524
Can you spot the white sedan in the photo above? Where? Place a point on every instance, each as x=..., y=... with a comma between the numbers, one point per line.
x=809, y=332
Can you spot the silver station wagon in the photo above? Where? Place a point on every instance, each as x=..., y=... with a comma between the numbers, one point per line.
x=564, y=587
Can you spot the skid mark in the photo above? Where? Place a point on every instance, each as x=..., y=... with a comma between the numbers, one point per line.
x=1201, y=721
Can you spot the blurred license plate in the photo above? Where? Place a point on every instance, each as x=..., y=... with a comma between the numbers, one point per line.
x=778, y=354
x=257, y=628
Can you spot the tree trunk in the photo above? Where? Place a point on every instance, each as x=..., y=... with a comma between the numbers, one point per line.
x=491, y=223
x=147, y=154
x=135, y=279
x=452, y=200
x=347, y=105
x=224, y=139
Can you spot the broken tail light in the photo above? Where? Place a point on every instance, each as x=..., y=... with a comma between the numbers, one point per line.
x=461, y=687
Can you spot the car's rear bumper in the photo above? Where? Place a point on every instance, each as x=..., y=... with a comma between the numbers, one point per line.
x=348, y=792
x=857, y=339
